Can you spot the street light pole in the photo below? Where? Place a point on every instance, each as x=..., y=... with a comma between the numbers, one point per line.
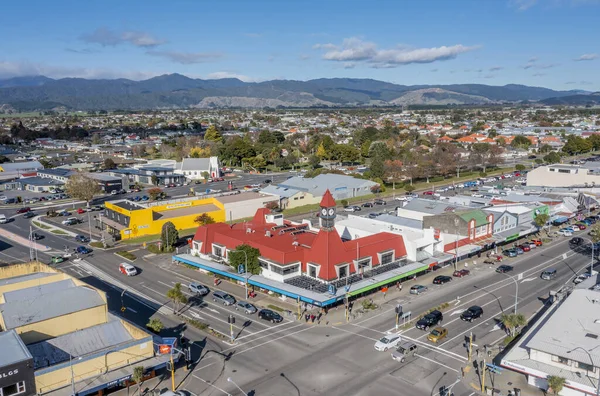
x=245, y=269
x=516, y=291
x=90, y=223
x=229, y=379
x=592, y=362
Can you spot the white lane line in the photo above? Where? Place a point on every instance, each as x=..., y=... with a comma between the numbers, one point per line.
x=356, y=334
x=131, y=309
x=436, y=362
x=263, y=330
x=265, y=336
x=214, y=386
x=444, y=352
x=267, y=342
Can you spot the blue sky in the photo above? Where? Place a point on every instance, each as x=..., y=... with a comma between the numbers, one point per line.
x=550, y=43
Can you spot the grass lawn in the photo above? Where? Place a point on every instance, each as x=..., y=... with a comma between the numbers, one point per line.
x=126, y=254
x=40, y=225
x=58, y=232
x=156, y=237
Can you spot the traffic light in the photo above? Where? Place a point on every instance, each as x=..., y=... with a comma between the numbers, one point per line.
x=231, y=319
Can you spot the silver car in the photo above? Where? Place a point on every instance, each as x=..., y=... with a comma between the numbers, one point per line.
x=198, y=288
x=246, y=307
x=223, y=298
x=404, y=351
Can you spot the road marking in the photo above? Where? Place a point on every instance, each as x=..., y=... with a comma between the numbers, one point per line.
x=444, y=352
x=436, y=362
x=131, y=309
x=496, y=327
x=214, y=386
x=213, y=310
x=529, y=279
x=356, y=334
x=266, y=329
x=456, y=312
x=196, y=316
x=266, y=342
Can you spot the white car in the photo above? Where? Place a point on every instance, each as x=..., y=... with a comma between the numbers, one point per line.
x=581, y=278
x=575, y=227
x=401, y=198
x=477, y=195
x=387, y=342
x=565, y=233
x=349, y=209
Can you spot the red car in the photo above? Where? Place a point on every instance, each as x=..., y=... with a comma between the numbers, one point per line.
x=428, y=193
x=581, y=226
x=461, y=273
x=24, y=210
x=537, y=242
x=525, y=247
x=80, y=210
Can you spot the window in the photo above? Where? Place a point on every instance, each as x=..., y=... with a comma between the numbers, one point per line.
x=585, y=366
x=312, y=271
x=263, y=264
x=217, y=251
x=564, y=171
x=343, y=271
x=387, y=258
x=14, y=389
x=560, y=359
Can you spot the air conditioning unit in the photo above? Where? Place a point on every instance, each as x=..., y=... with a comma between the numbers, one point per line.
x=268, y=234
x=248, y=230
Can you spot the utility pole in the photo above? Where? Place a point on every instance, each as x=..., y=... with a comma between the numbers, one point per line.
x=483, y=376
x=89, y=223
x=231, y=321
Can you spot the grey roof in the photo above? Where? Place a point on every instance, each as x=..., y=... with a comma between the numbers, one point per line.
x=57, y=172
x=79, y=343
x=280, y=191
x=401, y=221
x=319, y=184
x=12, y=348
x=19, y=166
x=42, y=307
x=189, y=164
x=103, y=177
x=570, y=326
x=37, y=291
x=433, y=207
x=41, y=181
x=24, y=278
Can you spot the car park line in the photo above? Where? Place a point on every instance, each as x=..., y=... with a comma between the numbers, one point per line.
x=436, y=348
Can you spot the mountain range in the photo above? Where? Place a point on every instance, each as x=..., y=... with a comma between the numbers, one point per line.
x=171, y=91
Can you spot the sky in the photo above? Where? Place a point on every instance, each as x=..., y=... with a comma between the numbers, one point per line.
x=548, y=43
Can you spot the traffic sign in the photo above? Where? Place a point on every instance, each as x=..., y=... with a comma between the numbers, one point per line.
x=331, y=289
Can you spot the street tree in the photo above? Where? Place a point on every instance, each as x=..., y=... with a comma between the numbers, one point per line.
x=521, y=141
x=138, y=377
x=520, y=167
x=393, y=171
x=156, y=325
x=541, y=220
x=552, y=158
x=154, y=180
x=109, y=164
x=82, y=187
x=205, y=176
x=155, y=193
x=556, y=383
x=176, y=296
x=169, y=235
x=595, y=233
x=314, y=161
x=481, y=154
x=409, y=188
x=204, y=219
x=512, y=322
x=237, y=257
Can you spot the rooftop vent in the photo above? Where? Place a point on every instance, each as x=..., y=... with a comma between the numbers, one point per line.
x=590, y=335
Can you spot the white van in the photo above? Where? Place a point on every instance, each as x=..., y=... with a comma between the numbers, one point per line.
x=3, y=219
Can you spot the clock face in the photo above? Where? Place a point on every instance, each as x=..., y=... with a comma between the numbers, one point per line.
x=324, y=212
x=331, y=211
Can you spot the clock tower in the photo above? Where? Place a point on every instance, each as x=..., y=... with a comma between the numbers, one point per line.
x=327, y=212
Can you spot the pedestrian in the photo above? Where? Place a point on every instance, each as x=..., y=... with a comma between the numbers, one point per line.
x=307, y=317
x=312, y=318
x=398, y=285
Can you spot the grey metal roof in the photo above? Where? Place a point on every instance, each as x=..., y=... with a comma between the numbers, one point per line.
x=24, y=278
x=41, y=181
x=79, y=343
x=103, y=177
x=319, y=184
x=21, y=166
x=189, y=164
x=37, y=291
x=280, y=191
x=401, y=221
x=572, y=325
x=432, y=207
x=57, y=172
x=51, y=305
x=12, y=348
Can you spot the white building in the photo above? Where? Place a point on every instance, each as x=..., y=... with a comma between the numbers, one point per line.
x=563, y=175
x=193, y=168
x=564, y=342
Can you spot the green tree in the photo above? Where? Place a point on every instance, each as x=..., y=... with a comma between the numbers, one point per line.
x=154, y=180
x=556, y=383
x=546, y=148
x=314, y=161
x=595, y=141
x=521, y=141
x=512, y=322
x=552, y=158
x=321, y=152
x=109, y=163
x=576, y=145
x=176, y=296
x=205, y=176
x=409, y=188
x=344, y=202
x=237, y=257
x=393, y=170
x=204, y=219
x=46, y=163
x=541, y=220
x=138, y=377
x=213, y=135
x=520, y=167
x=169, y=235
x=595, y=233
x=82, y=187
x=378, y=153
x=156, y=325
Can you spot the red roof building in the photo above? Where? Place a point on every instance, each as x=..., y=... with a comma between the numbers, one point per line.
x=291, y=249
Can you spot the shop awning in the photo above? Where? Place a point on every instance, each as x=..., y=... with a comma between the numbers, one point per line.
x=465, y=250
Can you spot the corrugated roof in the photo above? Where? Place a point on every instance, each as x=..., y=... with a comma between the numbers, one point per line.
x=12, y=348
x=79, y=343
x=189, y=164
x=478, y=215
x=24, y=278
x=51, y=305
x=37, y=291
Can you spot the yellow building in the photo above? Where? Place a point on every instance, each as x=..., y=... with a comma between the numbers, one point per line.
x=128, y=219
x=69, y=334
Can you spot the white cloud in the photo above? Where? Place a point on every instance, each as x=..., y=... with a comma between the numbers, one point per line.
x=532, y=64
x=533, y=59
x=522, y=5
x=107, y=37
x=357, y=50
x=17, y=69
x=587, y=57
x=496, y=68
x=349, y=65
x=226, y=74
x=186, y=58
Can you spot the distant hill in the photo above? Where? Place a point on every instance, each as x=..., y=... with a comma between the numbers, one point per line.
x=592, y=99
x=178, y=91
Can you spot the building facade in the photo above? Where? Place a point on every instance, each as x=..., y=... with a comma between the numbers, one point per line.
x=195, y=168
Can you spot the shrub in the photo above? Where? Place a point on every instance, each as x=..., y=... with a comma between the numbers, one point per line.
x=482, y=174
x=275, y=308
x=344, y=202
x=127, y=255
x=155, y=325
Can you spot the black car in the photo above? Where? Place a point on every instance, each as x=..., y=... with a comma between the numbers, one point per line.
x=82, y=238
x=367, y=205
x=272, y=316
x=268, y=181
x=504, y=268
x=441, y=279
x=36, y=237
x=379, y=202
x=29, y=214
x=576, y=241
x=430, y=320
x=472, y=313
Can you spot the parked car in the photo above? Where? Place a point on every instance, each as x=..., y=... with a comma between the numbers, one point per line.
x=519, y=250
x=223, y=298
x=70, y=221
x=437, y=334
x=367, y=205
x=81, y=210
x=537, y=242
x=510, y=253
x=472, y=313
x=246, y=307
x=427, y=192
x=405, y=351
x=379, y=202
x=525, y=247
x=441, y=279
x=349, y=209
x=504, y=268
x=23, y=210
x=461, y=273
x=565, y=232
x=374, y=215
x=29, y=214
x=127, y=269
x=418, y=289
x=82, y=239
x=197, y=288
x=145, y=198
x=83, y=250
x=430, y=320
x=356, y=208
x=64, y=213
x=581, y=277
x=387, y=342
x=548, y=274
x=269, y=315
x=582, y=226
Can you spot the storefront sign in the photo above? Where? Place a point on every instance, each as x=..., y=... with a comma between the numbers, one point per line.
x=143, y=227
x=179, y=205
x=7, y=374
